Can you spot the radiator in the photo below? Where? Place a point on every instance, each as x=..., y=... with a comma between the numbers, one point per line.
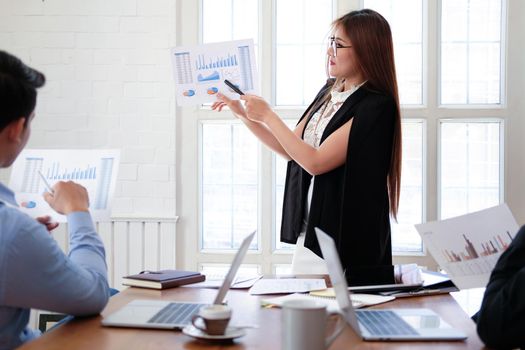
x=132, y=245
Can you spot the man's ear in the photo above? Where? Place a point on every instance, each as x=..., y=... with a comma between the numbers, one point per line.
x=15, y=130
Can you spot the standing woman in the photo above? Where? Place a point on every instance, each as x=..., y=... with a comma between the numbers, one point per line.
x=344, y=155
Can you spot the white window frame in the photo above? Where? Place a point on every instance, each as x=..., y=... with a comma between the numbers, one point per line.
x=188, y=119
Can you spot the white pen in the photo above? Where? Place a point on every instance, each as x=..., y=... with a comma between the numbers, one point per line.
x=48, y=187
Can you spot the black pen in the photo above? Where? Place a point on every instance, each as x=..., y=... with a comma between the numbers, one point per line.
x=233, y=87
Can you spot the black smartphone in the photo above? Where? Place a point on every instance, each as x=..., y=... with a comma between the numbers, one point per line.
x=233, y=87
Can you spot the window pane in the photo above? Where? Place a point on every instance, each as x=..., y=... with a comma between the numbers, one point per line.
x=484, y=73
x=301, y=49
x=280, y=177
x=404, y=236
x=229, y=185
x=454, y=71
x=282, y=269
x=469, y=166
x=215, y=15
x=290, y=67
x=471, y=51
x=406, y=22
x=224, y=20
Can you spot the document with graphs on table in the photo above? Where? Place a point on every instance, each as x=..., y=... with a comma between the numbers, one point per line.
x=96, y=170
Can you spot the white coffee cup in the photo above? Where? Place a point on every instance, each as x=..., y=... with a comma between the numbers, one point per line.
x=215, y=318
x=304, y=325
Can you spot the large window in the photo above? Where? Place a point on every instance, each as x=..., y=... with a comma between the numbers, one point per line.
x=449, y=58
x=471, y=51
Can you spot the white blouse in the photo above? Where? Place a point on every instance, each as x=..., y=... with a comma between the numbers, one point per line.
x=315, y=128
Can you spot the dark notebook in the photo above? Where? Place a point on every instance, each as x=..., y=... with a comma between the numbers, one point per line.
x=162, y=279
x=434, y=283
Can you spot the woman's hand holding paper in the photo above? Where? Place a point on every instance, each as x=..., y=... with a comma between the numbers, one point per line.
x=234, y=105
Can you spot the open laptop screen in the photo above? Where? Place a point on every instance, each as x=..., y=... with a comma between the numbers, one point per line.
x=237, y=260
x=337, y=277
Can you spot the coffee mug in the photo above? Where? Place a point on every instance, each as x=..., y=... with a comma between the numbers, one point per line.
x=304, y=325
x=214, y=317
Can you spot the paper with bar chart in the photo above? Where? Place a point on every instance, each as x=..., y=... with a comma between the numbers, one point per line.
x=467, y=247
x=96, y=170
x=200, y=71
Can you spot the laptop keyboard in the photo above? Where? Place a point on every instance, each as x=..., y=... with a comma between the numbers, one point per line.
x=176, y=313
x=384, y=323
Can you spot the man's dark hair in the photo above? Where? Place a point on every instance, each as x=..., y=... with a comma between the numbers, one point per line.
x=18, y=84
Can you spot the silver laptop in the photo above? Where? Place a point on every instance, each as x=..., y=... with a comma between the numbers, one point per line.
x=383, y=324
x=172, y=315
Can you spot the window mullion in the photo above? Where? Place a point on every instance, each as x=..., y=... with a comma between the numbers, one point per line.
x=432, y=17
x=266, y=51
x=265, y=214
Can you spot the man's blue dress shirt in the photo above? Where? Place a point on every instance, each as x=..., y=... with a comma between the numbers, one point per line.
x=35, y=273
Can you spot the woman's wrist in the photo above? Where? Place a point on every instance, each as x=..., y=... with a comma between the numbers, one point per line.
x=269, y=116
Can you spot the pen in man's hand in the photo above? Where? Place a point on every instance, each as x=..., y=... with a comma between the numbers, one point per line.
x=48, y=187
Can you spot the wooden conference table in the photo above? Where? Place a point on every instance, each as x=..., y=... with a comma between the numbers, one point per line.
x=88, y=333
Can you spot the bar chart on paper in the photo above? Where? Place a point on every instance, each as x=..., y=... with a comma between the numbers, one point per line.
x=470, y=261
x=468, y=247
x=94, y=169
x=200, y=70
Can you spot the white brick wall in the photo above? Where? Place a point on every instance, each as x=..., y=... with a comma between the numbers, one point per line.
x=109, y=85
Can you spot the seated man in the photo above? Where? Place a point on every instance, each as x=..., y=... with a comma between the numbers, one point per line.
x=501, y=319
x=34, y=272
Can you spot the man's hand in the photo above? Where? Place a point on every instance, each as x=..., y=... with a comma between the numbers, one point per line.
x=67, y=197
x=46, y=221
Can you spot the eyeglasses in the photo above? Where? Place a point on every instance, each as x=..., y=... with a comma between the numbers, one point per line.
x=335, y=45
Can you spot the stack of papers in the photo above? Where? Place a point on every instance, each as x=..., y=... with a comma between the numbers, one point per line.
x=286, y=286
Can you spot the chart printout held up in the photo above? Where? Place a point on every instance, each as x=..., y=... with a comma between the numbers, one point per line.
x=467, y=247
x=200, y=71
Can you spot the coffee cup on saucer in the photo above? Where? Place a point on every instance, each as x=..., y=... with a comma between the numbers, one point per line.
x=215, y=319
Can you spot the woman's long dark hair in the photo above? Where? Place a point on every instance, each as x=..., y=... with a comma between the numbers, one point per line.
x=372, y=43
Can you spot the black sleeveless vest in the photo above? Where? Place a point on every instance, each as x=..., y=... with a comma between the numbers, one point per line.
x=350, y=203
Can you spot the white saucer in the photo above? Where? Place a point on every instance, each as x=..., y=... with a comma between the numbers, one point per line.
x=231, y=333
